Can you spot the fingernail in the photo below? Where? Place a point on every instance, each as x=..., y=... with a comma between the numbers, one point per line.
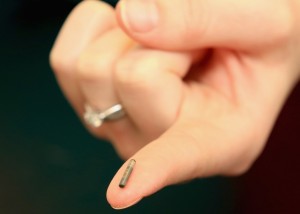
x=139, y=16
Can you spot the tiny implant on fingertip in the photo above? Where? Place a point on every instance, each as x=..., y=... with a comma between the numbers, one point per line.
x=127, y=173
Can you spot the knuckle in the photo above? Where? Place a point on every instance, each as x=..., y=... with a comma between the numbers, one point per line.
x=190, y=16
x=91, y=68
x=60, y=63
x=241, y=169
x=135, y=71
x=283, y=28
x=243, y=158
x=280, y=25
x=244, y=161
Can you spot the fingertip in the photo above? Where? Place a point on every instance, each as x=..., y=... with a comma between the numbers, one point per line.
x=138, y=16
x=146, y=178
x=121, y=197
x=154, y=169
x=157, y=23
x=140, y=21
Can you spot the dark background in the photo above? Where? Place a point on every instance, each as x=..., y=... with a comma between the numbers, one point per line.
x=50, y=164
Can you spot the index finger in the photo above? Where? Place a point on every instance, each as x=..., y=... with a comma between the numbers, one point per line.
x=86, y=22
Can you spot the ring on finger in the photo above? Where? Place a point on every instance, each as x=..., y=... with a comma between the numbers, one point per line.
x=95, y=117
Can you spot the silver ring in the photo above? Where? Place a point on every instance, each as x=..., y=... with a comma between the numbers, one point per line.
x=96, y=117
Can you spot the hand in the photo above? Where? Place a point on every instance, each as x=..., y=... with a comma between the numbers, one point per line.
x=206, y=109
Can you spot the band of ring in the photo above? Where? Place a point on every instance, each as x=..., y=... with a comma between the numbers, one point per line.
x=96, y=117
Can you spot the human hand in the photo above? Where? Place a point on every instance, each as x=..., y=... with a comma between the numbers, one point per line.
x=211, y=118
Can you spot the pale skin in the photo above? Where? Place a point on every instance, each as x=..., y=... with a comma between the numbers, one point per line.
x=199, y=101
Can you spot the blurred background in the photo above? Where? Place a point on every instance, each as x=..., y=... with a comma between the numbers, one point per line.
x=50, y=164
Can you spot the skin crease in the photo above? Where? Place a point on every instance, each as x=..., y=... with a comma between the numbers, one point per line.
x=195, y=109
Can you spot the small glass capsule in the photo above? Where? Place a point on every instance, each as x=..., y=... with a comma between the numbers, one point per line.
x=127, y=173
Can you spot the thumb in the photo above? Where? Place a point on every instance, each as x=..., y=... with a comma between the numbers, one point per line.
x=173, y=158
x=184, y=25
